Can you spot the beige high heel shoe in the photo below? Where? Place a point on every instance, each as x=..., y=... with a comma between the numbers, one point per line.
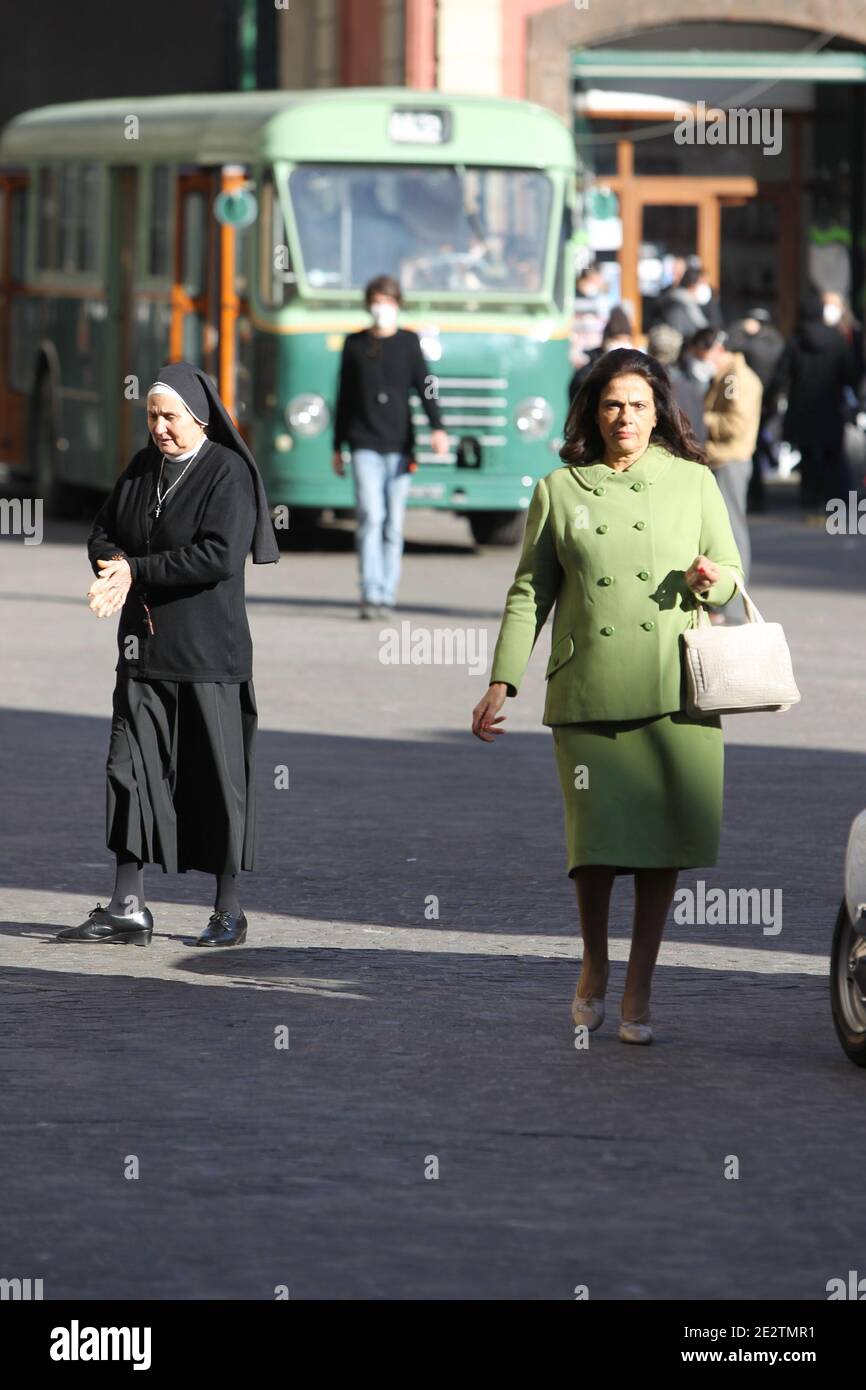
x=587, y=1010
x=636, y=1030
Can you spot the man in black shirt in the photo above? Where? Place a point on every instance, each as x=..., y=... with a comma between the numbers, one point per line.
x=380, y=366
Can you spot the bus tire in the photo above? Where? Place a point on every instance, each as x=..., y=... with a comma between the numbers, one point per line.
x=43, y=451
x=496, y=528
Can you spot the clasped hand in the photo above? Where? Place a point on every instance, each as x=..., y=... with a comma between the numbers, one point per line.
x=108, y=593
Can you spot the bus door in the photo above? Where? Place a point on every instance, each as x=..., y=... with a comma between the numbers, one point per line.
x=119, y=339
x=194, y=305
x=13, y=388
x=237, y=213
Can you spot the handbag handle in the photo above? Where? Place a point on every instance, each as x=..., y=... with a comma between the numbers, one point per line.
x=752, y=614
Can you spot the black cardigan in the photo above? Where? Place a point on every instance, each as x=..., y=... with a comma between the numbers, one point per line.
x=390, y=366
x=187, y=567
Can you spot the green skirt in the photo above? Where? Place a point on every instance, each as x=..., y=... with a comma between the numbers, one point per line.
x=642, y=793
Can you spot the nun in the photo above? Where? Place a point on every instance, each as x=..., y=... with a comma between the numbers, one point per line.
x=169, y=548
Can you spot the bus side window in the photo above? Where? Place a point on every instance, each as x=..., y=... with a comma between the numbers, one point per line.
x=194, y=233
x=564, y=282
x=159, y=232
x=70, y=216
x=48, y=219
x=276, y=277
x=91, y=199
x=68, y=212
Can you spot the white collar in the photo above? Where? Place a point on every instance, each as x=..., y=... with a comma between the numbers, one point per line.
x=182, y=458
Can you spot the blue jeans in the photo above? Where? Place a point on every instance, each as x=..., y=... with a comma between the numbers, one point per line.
x=381, y=492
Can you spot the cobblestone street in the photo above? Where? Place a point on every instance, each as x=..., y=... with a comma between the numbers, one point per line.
x=416, y=1040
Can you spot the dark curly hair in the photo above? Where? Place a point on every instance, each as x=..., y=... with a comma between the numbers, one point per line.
x=583, y=441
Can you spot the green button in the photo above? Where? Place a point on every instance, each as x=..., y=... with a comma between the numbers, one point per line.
x=648, y=625
x=607, y=632
x=639, y=525
x=601, y=529
x=637, y=487
x=605, y=580
x=643, y=574
x=599, y=491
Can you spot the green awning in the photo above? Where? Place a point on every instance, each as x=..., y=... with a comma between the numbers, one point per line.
x=780, y=67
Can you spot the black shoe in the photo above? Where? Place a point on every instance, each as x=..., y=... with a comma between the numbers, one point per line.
x=224, y=930
x=132, y=929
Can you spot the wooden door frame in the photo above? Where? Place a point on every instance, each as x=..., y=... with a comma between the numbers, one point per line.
x=635, y=192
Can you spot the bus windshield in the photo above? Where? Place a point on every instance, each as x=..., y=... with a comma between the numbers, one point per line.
x=432, y=227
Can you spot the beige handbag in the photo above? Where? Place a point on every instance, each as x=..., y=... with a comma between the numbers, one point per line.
x=737, y=669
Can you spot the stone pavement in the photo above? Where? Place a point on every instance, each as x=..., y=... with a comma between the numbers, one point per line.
x=417, y=1040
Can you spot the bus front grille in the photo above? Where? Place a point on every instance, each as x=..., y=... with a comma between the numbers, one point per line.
x=471, y=405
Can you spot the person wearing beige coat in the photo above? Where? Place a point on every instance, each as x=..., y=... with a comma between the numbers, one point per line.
x=732, y=415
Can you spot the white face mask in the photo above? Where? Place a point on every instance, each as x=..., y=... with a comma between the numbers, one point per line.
x=703, y=294
x=703, y=370
x=384, y=315
x=832, y=314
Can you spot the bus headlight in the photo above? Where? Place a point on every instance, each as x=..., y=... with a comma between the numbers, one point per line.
x=533, y=417
x=307, y=415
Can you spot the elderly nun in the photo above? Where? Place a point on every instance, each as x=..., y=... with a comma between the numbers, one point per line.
x=168, y=548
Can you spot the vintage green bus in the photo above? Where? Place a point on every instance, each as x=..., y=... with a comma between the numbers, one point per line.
x=238, y=231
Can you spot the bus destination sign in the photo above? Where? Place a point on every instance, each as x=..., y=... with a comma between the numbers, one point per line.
x=415, y=125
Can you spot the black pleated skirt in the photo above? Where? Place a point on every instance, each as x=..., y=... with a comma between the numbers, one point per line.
x=181, y=774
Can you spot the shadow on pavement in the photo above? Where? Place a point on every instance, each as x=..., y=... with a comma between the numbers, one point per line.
x=368, y=829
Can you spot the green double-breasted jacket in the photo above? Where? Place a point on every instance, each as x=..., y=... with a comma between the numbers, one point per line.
x=610, y=549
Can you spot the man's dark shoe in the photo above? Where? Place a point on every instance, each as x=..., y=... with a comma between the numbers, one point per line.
x=107, y=928
x=224, y=930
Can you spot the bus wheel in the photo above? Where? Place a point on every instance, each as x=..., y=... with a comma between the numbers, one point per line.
x=43, y=452
x=496, y=528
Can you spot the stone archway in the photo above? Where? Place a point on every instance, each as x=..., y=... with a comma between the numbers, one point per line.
x=553, y=34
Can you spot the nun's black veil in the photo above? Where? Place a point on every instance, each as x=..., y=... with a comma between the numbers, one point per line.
x=200, y=396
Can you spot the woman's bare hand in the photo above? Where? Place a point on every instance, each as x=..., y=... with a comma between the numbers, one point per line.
x=484, y=715
x=108, y=593
x=701, y=573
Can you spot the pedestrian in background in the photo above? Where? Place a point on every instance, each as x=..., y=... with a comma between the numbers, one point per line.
x=618, y=333
x=732, y=415
x=623, y=542
x=665, y=345
x=692, y=362
x=684, y=306
x=762, y=345
x=814, y=373
x=838, y=314
x=169, y=546
x=380, y=366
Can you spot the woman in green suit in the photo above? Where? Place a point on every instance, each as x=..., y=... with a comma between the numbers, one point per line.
x=623, y=542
